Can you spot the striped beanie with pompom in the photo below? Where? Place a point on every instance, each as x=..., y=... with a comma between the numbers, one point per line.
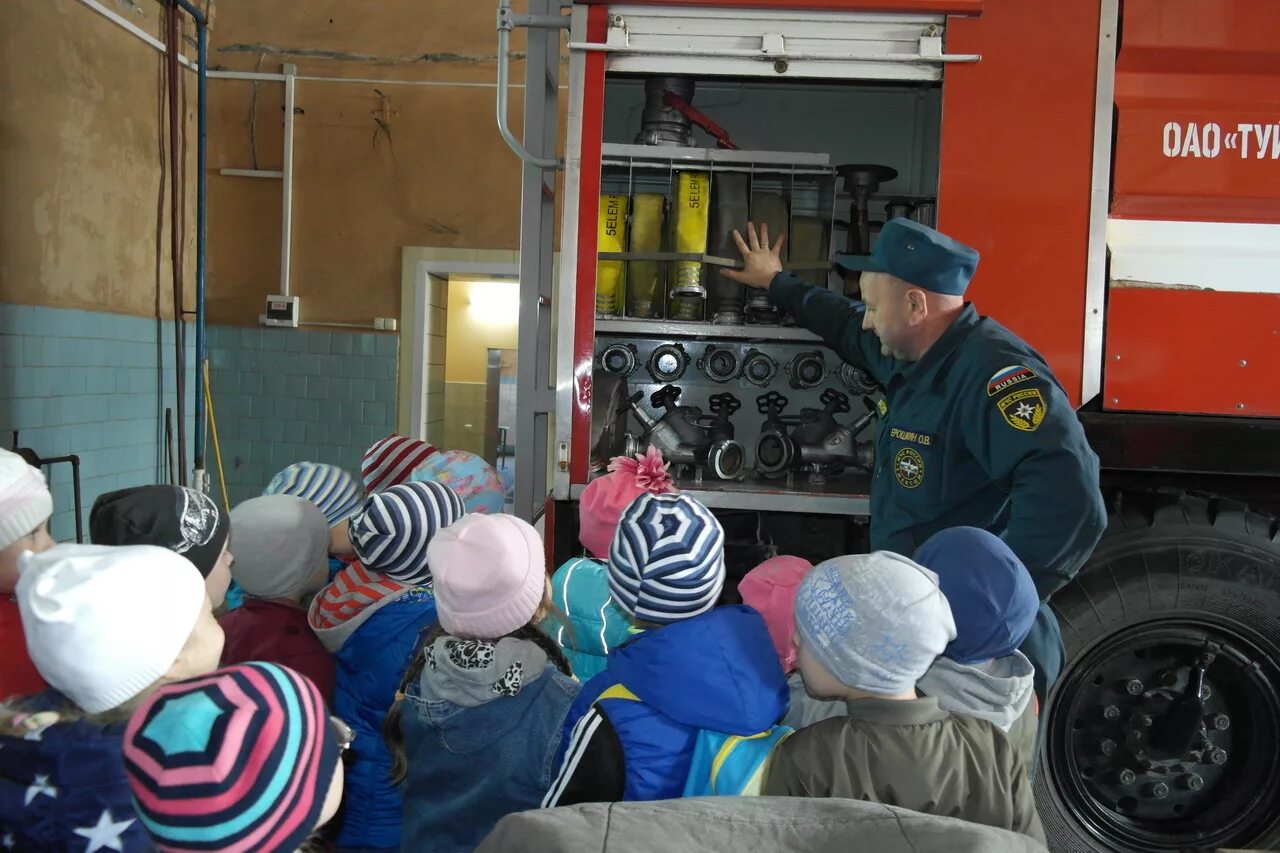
x=329, y=487
x=393, y=528
x=389, y=462
x=239, y=759
x=667, y=559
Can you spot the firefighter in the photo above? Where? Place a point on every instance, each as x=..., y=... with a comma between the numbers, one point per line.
x=974, y=428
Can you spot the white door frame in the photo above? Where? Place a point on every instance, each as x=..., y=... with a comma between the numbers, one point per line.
x=421, y=265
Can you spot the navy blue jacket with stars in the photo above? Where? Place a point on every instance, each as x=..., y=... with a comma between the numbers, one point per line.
x=63, y=788
x=978, y=432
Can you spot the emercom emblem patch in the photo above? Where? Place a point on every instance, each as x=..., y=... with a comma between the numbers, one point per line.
x=1023, y=410
x=908, y=468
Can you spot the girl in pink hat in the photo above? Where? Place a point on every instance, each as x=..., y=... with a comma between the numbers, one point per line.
x=478, y=719
x=770, y=589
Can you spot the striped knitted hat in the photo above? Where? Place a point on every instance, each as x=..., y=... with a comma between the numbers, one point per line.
x=390, y=461
x=239, y=759
x=392, y=529
x=471, y=477
x=667, y=559
x=327, y=486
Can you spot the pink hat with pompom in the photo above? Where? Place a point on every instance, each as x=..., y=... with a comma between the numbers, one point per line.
x=770, y=589
x=606, y=497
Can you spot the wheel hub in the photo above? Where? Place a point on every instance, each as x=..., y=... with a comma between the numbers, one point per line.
x=1165, y=731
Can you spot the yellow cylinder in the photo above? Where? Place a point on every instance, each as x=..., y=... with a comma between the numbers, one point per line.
x=690, y=217
x=808, y=243
x=611, y=275
x=644, y=293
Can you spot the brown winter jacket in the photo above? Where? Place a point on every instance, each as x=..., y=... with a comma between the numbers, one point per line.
x=911, y=754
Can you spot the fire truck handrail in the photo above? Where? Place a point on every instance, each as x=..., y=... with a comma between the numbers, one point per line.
x=506, y=21
x=770, y=56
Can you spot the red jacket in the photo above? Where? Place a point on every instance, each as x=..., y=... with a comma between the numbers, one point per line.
x=18, y=676
x=277, y=633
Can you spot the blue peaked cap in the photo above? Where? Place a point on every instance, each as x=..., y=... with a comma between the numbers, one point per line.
x=917, y=254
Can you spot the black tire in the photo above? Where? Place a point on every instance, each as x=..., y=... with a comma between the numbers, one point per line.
x=1171, y=564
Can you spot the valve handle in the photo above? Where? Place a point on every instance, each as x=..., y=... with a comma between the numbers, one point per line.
x=665, y=397
x=837, y=402
x=725, y=403
x=771, y=403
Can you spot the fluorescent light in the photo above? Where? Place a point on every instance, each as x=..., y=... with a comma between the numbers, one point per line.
x=494, y=303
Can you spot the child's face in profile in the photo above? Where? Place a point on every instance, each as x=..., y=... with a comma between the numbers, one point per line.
x=818, y=683
x=37, y=540
x=340, y=539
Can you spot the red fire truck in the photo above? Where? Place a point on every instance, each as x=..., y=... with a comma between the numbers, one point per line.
x=1116, y=162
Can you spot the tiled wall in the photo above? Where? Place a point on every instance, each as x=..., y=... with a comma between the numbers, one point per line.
x=88, y=383
x=288, y=395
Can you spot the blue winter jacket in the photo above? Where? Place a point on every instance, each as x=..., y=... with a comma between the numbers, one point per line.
x=640, y=718
x=371, y=658
x=63, y=788
x=596, y=625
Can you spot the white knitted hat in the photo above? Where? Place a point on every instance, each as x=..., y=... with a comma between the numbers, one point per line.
x=24, y=498
x=104, y=623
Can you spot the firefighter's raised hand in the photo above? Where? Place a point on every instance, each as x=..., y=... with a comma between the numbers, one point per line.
x=760, y=261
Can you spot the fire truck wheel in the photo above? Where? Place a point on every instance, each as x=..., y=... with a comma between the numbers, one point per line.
x=1161, y=732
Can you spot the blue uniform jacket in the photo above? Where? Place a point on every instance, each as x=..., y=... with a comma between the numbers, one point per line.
x=977, y=433
x=717, y=672
x=63, y=788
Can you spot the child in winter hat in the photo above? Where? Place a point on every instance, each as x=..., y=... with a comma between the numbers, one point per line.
x=479, y=714
x=333, y=490
x=981, y=673
x=369, y=617
x=390, y=461
x=245, y=758
x=630, y=734
x=593, y=622
x=472, y=478
x=666, y=562
x=868, y=627
x=25, y=507
x=106, y=627
x=282, y=559
x=337, y=493
x=174, y=517
x=604, y=498
x=770, y=589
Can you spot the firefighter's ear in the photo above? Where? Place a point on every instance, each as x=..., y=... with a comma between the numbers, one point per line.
x=917, y=305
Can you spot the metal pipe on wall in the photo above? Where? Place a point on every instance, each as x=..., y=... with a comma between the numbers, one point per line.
x=173, y=39
x=202, y=78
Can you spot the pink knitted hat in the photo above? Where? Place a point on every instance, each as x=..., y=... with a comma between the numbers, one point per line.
x=604, y=498
x=770, y=589
x=490, y=575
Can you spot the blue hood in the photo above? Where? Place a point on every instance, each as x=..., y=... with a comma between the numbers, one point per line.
x=596, y=625
x=717, y=671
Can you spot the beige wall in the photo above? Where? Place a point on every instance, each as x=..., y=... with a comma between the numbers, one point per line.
x=378, y=166
x=474, y=328
x=80, y=167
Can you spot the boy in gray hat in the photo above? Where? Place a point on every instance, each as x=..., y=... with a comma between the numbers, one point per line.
x=867, y=628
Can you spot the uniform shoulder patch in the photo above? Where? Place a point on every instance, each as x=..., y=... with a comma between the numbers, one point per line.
x=1023, y=410
x=1007, y=377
